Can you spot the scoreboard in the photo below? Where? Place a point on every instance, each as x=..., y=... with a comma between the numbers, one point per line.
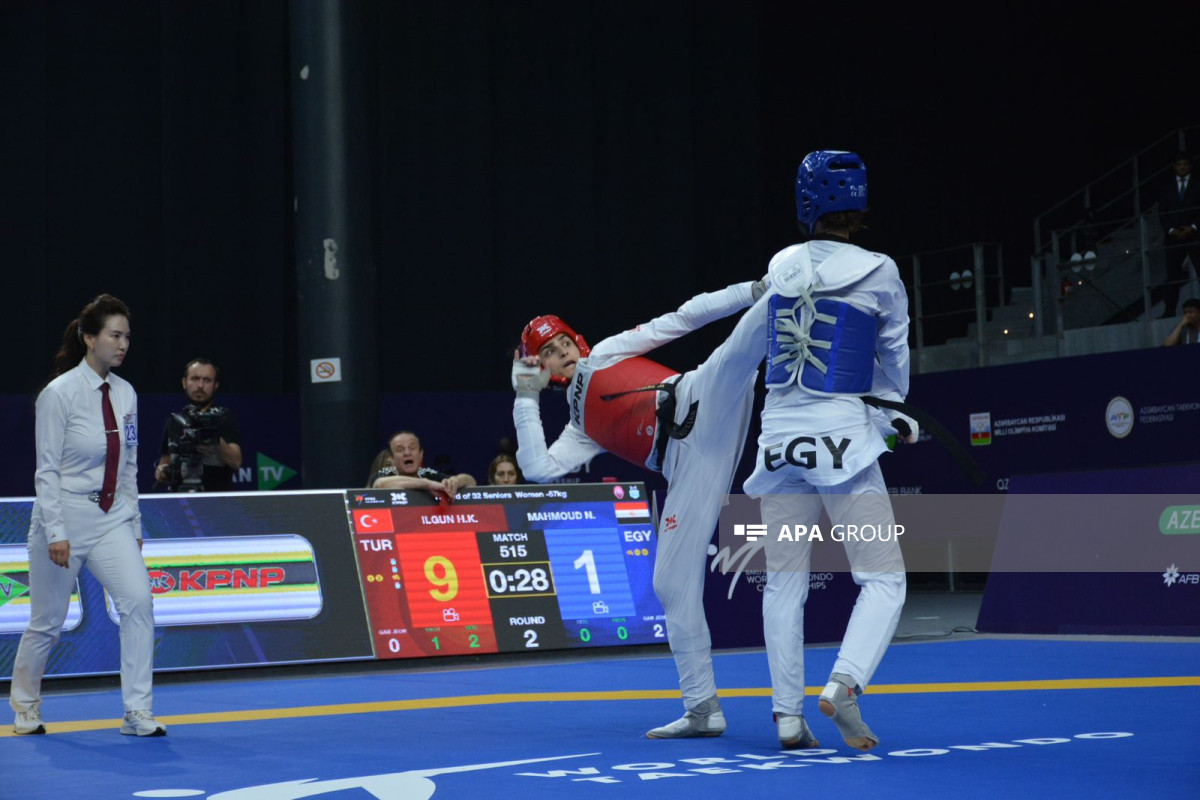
x=507, y=568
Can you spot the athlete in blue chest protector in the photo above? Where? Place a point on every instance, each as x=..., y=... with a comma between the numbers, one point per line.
x=835, y=327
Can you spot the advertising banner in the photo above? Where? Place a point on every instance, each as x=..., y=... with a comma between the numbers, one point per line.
x=238, y=579
x=1155, y=593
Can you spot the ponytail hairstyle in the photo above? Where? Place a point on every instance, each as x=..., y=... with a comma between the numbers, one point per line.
x=91, y=320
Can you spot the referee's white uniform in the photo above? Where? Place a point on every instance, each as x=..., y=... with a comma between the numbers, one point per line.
x=71, y=448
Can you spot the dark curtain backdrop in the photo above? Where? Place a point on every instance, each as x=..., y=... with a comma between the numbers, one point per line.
x=597, y=161
x=148, y=158
x=600, y=160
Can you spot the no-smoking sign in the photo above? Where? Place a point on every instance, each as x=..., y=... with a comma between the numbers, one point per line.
x=325, y=370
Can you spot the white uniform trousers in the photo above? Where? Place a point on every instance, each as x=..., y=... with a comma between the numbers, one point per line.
x=699, y=471
x=877, y=567
x=107, y=545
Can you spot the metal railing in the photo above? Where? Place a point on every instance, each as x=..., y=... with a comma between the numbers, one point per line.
x=1098, y=259
x=1119, y=194
x=1100, y=275
x=950, y=293
x=1094, y=293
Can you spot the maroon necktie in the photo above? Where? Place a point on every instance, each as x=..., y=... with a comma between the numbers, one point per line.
x=113, y=455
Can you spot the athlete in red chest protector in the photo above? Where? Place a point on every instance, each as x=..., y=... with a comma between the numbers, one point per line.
x=692, y=427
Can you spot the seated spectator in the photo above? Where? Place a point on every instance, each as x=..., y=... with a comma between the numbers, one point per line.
x=1188, y=329
x=407, y=471
x=503, y=471
x=382, y=460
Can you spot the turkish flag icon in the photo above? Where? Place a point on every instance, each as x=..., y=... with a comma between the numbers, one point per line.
x=370, y=520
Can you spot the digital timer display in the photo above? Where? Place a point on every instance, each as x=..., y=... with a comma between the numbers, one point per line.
x=507, y=568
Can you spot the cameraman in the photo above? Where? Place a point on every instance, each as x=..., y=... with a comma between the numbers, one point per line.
x=201, y=446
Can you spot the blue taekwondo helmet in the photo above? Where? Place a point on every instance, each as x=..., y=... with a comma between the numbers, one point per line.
x=828, y=181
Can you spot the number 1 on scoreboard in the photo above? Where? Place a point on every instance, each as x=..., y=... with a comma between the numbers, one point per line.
x=588, y=560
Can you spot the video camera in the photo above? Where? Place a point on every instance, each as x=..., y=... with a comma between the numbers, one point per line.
x=196, y=428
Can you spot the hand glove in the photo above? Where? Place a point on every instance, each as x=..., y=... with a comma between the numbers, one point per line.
x=529, y=379
x=907, y=429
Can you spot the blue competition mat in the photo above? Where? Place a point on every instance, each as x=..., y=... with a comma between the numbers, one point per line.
x=979, y=718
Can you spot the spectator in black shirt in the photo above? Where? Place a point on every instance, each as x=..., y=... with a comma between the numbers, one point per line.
x=1179, y=213
x=201, y=445
x=407, y=471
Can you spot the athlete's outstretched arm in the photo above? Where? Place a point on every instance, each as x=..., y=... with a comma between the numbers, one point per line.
x=695, y=313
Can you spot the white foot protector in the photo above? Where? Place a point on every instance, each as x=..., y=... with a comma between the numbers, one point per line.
x=704, y=719
x=794, y=733
x=839, y=702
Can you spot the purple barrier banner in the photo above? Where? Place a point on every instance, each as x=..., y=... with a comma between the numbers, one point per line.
x=1162, y=600
x=1108, y=411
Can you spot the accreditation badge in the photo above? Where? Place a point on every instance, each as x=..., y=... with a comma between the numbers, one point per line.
x=130, y=426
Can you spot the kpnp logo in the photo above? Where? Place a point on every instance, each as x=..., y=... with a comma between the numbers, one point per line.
x=1173, y=576
x=1119, y=417
x=208, y=579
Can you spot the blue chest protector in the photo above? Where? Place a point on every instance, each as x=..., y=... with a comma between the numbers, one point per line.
x=827, y=346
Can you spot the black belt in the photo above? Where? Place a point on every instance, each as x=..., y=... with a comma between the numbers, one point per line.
x=936, y=430
x=668, y=428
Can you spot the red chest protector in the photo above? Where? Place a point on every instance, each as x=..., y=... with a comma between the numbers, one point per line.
x=624, y=425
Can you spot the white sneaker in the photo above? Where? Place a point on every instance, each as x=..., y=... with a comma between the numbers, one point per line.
x=704, y=719
x=794, y=733
x=839, y=702
x=27, y=722
x=142, y=723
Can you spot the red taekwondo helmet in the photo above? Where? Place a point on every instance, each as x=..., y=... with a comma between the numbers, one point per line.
x=541, y=330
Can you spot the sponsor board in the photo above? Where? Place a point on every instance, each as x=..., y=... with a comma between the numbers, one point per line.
x=226, y=579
